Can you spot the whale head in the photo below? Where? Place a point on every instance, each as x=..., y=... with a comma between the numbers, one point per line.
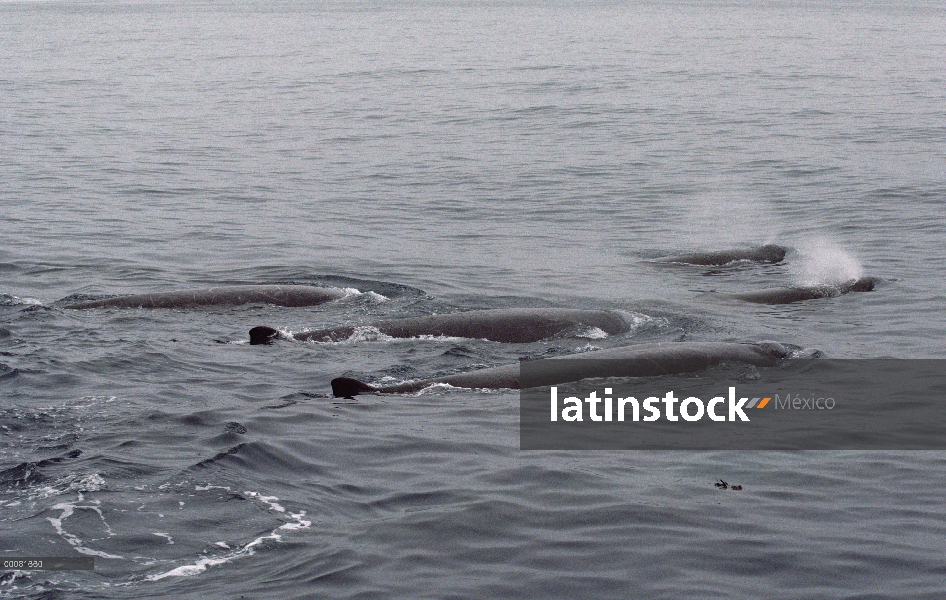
x=864, y=284
x=771, y=253
x=771, y=350
x=263, y=335
x=346, y=387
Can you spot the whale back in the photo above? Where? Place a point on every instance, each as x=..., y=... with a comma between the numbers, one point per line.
x=509, y=325
x=232, y=295
x=643, y=360
x=515, y=325
x=770, y=253
x=787, y=295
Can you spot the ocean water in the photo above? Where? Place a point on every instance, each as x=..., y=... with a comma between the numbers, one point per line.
x=436, y=157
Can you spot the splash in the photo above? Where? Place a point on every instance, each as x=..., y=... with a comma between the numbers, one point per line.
x=368, y=297
x=592, y=333
x=825, y=262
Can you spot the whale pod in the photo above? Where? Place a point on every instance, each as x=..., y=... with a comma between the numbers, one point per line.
x=514, y=325
x=226, y=295
x=643, y=360
x=770, y=253
x=787, y=295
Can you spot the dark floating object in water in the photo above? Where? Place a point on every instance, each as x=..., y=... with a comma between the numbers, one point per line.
x=226, y=295
x=514, y=325
x=234, y=427
x=643, y=360
x=770, y=253
x=723, y=485
x=787, y=295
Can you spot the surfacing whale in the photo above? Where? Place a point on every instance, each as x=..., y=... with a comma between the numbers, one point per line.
x=225, y=295
x=514, y=325
x=787, y=295
x=644, y=360
x=770, y=253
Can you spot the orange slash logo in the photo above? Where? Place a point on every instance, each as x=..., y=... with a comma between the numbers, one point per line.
x=754, y=403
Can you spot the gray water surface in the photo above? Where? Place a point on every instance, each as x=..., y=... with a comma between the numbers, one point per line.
x=439, y=157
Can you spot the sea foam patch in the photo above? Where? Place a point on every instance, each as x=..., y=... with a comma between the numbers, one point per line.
x=296, y=522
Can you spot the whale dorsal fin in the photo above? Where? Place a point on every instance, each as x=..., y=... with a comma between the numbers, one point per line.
x=346, y=387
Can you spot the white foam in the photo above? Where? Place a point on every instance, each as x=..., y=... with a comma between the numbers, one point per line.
x=207, y=487
x=164, y=535
x=268, y=500
x=16, y=300
x=593, y=333
x=247, y=549
x=68, y=509
x=439, y=338
x=637, y=320
x=435, y=386
x=367, y=333
x=75, y=482
x=372, y=297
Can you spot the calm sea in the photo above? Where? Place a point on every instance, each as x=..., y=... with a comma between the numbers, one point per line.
x=437, y=157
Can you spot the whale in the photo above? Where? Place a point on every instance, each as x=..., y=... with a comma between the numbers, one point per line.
x=511, y=325
x=770, y=253
x=787, y=295
x=642, y=360
x=226, y=295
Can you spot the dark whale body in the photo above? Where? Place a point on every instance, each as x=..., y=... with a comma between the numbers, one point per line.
x=227, y=295
x=769, y=253
x=787, y=295
x=644, y=360
x=514, y=325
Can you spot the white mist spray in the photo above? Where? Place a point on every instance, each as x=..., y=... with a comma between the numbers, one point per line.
x=824, y=262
